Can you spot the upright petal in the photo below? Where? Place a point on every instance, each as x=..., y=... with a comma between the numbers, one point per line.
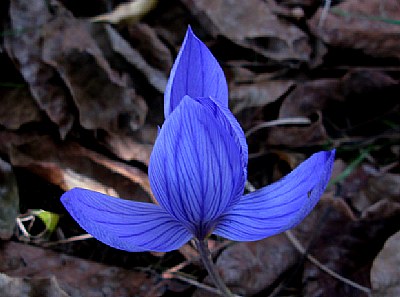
x=280, y=206
x=195, y=168
x=195, y=73
x=126, y=225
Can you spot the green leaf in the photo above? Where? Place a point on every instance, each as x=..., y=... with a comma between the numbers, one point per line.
x=50, y=219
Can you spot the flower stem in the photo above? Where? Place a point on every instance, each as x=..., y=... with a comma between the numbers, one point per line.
x=205, y=256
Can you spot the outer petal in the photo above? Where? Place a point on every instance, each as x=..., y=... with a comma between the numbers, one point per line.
x=280, y=206
x=230, y=123
x=195, y=168
x=195, y=73
x=126, y=225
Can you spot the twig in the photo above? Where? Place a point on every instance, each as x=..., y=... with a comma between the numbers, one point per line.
x=25, y=230
x=324, y=13
x=68, y=240
x=21, y=226
x=279, y=122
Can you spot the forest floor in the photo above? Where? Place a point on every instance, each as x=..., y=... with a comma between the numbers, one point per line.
x=81, y=97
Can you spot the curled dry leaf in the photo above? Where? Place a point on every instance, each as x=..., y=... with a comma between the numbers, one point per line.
x=336, y=100
x=369, y=26
x=70, y=165
x=95, y=279
x=69, y=179
x=252, y=24
x=385, y=272
x=155, y=77
x=317, y=95
x=133, y=174
x=103, y=98
x=305, y=100
x=59, y=58
x=310, y=97
x=24, y=47
x=145, y=39
x=128, y=149
x=364, y=81
x=257, y=93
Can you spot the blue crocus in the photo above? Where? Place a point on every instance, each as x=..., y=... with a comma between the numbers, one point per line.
x=197, y=172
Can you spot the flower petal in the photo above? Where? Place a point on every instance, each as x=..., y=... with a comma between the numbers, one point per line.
x=195, y=73
x=280, y=206
x=195, y=168
x=123, y=224
x=228, y=120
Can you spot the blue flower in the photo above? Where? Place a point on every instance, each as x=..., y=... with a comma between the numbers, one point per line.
x=197, y=172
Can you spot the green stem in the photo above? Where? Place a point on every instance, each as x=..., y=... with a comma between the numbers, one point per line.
x=205, y=256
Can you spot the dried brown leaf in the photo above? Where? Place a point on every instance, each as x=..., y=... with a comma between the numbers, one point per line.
x=364, y=26
x=145, y=39
x=310, y=97
x=385, y=272
x=128, y=149
x=69, y=164
x=257, y=93
x=252, y=24
x=249, y=267
x=155, y=77
x=75, y=276
x=103, y=97
x=24, y=47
